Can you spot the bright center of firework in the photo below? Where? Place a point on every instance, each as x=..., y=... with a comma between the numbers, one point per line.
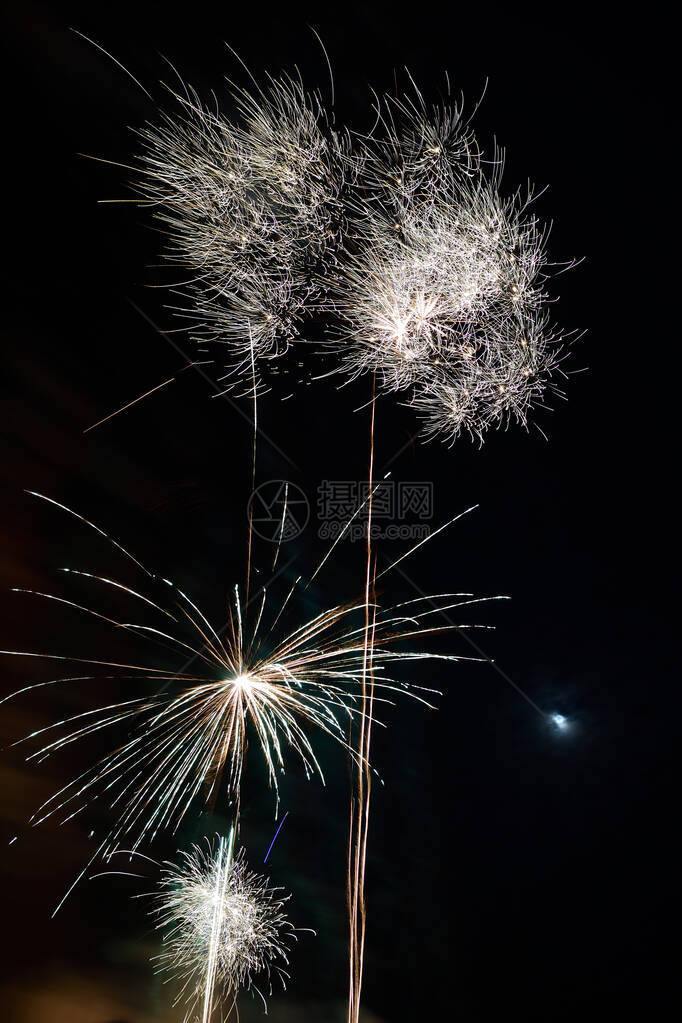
x=244, y=682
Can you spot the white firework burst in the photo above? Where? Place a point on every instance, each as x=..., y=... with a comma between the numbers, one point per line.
x=441, y=291
x=251, y=206
x=507, y=375
x=399, y=243
x=225, y=929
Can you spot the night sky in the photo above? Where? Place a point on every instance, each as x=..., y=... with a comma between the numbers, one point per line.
x=516, y=869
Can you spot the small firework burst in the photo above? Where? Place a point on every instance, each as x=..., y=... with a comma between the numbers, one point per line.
x=225, y=929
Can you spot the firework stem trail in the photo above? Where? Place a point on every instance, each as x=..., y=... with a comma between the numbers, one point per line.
x=360, y=797
x=253, y=469
x=225, y=857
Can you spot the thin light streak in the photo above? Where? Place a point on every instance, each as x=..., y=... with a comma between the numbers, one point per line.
x=282, y=822
x=361, y=795
x=112, y=58
x=146, y=394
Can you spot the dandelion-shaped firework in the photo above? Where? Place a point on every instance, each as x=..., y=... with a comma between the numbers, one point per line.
x=252, y=207
x=225, y=929
x=401, y=245
x=441, y=293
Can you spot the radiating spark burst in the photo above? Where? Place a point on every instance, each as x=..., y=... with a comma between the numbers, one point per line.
x=190, y=737
x=251, y=206
x=224, y=927
x=441, y=292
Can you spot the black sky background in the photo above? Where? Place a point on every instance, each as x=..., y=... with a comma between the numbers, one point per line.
x=514, y=871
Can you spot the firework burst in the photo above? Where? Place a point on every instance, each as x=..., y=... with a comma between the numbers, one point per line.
x=399, y=243
x=190, y=737
x=224, y=928
x=251, y=207
x=441, y=293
